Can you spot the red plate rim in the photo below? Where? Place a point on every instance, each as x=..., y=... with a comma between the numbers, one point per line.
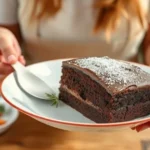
x=73, y=123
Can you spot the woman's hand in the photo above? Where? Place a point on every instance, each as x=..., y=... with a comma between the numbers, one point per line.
x=142, y=127
x=10, y=51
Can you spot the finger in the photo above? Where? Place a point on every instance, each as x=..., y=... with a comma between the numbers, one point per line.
x=17, y=46
x=5, y=69
x=142, y=127
x=8, y=51
x=22, y=60
x=2, y=59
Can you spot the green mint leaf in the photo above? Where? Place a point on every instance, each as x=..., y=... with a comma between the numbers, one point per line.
x=53, y=98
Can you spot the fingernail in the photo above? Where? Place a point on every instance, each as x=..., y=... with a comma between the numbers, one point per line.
x=11, y=59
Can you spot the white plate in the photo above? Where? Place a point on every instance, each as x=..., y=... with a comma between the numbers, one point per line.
x=63, y=117
x=10, y=116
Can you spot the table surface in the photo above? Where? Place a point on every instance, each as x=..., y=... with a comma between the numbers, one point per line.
x=27, y=133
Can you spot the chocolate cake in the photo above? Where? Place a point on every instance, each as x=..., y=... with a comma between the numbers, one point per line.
x=105, y=90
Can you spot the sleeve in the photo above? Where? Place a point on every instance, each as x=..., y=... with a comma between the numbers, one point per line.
x=8, y=11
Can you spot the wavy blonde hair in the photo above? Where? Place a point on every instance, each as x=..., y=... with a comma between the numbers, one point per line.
x=109, y=12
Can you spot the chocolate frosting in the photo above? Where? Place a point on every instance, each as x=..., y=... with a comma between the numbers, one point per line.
x=113, y=75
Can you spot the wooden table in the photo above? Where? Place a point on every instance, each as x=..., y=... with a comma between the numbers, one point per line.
x=28, y=134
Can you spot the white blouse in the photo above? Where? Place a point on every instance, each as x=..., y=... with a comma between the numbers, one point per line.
x=69, y=33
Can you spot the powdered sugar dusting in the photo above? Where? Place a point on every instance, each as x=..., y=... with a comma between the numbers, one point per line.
x=113, y=72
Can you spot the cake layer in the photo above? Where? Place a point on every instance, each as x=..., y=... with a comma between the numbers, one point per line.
x=97, y=115
x=131, y=96
x=89, y=89
x=85, y=87
x=138, y=110
x=114, y=75
x=100, y=116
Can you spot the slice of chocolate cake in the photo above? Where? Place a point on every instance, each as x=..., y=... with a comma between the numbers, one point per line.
x=105, y=90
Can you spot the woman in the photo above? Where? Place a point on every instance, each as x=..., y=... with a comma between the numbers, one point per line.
x=49, y=29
